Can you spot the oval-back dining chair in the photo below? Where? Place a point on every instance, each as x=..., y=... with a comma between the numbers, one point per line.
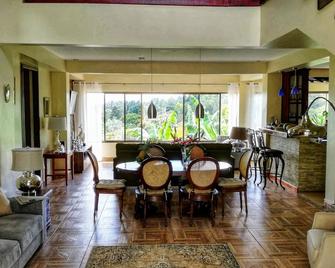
x=105, y=186
x=202, y=175
x=237, y=184
x=155, y=175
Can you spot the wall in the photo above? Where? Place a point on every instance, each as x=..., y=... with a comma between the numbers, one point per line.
x=281, y=17
x=8, y=122
x=10, y=113
x=330, y=171
x=128, y=25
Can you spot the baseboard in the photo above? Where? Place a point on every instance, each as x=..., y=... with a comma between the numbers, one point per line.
x=286, y=184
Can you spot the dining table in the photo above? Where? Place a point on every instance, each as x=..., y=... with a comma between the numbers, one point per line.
x=178, y=167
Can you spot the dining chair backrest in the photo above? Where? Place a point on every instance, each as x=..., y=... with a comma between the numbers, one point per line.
x=245, y=164
x=195, y=152
x=203, y=173
x=155, y=173
x=260, y=139
x=252, y=138
x=95, y=166
x=155, y=150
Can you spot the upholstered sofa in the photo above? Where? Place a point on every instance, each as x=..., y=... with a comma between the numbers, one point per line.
x=21, y=233
x=321, y=241
x=129, y=151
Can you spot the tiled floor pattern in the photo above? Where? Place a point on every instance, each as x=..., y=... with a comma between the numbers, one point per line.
x=272, y=235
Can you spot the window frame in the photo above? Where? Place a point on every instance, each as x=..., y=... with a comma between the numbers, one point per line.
x=142, y=112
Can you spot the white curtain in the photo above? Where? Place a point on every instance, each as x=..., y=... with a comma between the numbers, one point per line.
x=254, y=105
x=233, y=101
x=80, y=110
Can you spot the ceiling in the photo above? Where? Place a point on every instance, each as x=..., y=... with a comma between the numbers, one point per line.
x=160, y=54
x=225, y=3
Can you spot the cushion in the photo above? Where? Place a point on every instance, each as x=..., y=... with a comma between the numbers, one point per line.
x=111, y=184
x=4, y=204
x=231, y=183
x=20, y=227
x=10, y=252
x=189, y=189
x=314, y=238
x=153, y=192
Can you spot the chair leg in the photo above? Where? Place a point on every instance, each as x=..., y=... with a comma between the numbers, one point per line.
x=241, y=200
x=222, y=201
x=180, y=205
x=246, y=202
x=145, y=212
x=261, y=174
x=276, y=169
x=96, y=202
x=264, y=171
x=121, y=203
x=255, y=166
x=166, y=211
x=191, y=216
x=282, y=171
x=212, y=211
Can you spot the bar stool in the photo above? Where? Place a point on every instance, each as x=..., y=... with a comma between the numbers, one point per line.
x=267, y=156
x=255, y=152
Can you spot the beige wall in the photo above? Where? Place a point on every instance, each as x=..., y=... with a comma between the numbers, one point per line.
x=281, y=17
x=128, y=25
x=271, y=85
x=330, y=171
x=10, y=113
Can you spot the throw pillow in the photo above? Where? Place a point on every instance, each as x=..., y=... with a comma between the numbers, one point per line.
x=4, y=204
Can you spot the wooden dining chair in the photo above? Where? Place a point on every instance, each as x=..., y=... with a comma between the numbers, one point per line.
x=117, y=187
x=155, y=176
x=202, y=175
x=237, y=184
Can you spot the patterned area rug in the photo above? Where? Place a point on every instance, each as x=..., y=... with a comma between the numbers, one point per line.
x=162, y=256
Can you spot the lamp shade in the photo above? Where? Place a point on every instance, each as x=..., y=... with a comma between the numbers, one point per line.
x=152, y=111
x=27, y=159
x=238, y=133
x=199, y=111
x=57, y=123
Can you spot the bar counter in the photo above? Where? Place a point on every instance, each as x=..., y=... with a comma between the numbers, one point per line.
x=305, y=160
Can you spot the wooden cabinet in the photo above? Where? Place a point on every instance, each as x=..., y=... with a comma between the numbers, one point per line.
x=80, y=158
x=294, y=106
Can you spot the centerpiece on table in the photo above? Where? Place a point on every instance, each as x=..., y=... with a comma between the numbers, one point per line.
x=191, y=148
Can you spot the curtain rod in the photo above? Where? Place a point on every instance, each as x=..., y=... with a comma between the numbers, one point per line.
x=110, y=83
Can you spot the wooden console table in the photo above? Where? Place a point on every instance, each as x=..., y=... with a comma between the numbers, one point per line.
x=80, y=159
x=53, y=156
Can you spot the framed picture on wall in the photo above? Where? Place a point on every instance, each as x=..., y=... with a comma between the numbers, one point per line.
x=46, y=106
x=323, y=3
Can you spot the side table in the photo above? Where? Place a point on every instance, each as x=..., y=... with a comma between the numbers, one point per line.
x=80, y=159
x=53, y=156
x=43, y=195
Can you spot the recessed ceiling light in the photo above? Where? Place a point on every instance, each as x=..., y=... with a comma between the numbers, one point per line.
x=141, y=58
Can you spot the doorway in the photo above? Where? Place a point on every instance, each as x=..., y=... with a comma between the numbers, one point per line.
x=30, y=107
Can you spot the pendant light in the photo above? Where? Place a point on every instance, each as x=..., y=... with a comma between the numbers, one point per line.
x=199, y=109
x=152, y=111
x=295, y=89
x=281, y=92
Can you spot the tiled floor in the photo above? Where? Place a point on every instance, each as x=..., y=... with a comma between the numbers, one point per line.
x=272, y=235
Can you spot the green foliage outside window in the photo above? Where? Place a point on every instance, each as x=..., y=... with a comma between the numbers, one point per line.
x=125, y=116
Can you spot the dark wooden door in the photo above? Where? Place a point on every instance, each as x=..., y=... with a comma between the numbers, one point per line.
x=30, y=107
x=294, y=106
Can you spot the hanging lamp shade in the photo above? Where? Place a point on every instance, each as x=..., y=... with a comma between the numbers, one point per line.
x=294, y=90
x=152, y=111
x=199, y=111
x=281, y=92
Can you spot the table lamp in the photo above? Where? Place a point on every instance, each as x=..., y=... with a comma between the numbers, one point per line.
x=238, y=135
x=27, y=160
x=57, y=123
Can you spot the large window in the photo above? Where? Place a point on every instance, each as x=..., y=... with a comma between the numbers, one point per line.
x=319, y=111
x=123, y=117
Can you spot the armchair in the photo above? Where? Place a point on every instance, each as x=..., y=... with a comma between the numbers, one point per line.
x=321, y=240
